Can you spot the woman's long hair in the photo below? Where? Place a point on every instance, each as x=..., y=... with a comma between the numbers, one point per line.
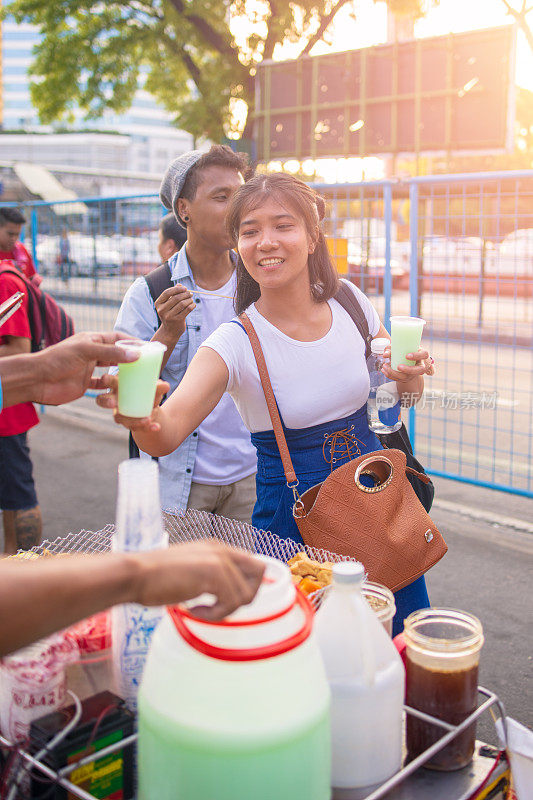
x=308, y=205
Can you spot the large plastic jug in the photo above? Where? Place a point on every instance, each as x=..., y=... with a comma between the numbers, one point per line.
x=237, y=710
x=366, y=678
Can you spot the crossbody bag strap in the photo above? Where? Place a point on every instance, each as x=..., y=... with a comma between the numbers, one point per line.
x=292, y=480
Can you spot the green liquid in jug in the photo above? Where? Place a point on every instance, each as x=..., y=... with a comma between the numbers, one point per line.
x=180, y=763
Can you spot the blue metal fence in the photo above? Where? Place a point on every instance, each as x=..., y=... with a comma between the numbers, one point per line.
x=454, y=249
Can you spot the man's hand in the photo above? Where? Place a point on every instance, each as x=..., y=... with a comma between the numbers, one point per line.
x=65, y=370
x=173, y=305
x=52, y=593
x=186, y=571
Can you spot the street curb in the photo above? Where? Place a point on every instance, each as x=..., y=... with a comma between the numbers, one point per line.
x=484, y=516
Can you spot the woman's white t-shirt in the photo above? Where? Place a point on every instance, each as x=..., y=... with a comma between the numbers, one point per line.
x=313, y=382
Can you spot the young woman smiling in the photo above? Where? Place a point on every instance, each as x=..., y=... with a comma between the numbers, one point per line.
x=314, y=353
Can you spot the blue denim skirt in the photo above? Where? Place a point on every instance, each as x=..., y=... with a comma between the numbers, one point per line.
x=315, y=452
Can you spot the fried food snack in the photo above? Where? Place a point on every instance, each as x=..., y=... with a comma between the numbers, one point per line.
x=30, y=555
x=309, y=575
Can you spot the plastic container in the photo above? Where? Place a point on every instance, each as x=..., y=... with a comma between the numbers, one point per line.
x=381, y=601
x=366, y=678
x=239, y=709
x=379, y=598
x=139, y=527
x=383, y=404
x=32, y=683
x=92, y=673
x=137, y=380
x=442, y=660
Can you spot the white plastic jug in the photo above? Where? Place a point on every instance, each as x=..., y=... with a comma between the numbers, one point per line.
x=366, y=678
x=239, y=709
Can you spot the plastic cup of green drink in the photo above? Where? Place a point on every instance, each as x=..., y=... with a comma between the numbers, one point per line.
x=137, y=380
x=406, y=334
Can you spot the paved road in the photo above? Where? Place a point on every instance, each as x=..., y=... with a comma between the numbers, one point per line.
x=487, y=569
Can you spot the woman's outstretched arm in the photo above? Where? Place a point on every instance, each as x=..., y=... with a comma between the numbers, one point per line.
x=192, y=401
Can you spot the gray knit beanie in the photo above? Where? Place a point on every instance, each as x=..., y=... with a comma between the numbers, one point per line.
x=174, y=178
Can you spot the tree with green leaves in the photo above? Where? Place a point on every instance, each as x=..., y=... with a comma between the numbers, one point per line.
x=198, y=57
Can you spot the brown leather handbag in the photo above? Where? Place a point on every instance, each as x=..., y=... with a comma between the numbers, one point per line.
x=383, y=525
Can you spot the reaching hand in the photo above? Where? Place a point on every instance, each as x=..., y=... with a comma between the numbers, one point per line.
x=65, y=370
x=110, y=400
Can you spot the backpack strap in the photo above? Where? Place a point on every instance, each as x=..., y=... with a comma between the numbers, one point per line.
x=349, y=302
x=158, y=280
x=36, y=342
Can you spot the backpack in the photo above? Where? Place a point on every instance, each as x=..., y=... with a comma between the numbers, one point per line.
x=158, y=280
x=49, y=322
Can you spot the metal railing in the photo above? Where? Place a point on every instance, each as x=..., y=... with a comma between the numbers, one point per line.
x=454, y=249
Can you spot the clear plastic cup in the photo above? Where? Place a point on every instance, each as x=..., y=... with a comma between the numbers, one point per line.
x=137, y=380
x=406, y=334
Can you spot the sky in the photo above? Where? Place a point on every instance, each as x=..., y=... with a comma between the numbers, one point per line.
x=451, y=16
x=370, y=27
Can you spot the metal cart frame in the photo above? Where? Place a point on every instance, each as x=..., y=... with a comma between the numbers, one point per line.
x=61, y=777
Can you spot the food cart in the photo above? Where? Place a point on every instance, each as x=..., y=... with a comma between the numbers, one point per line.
x=486, y=776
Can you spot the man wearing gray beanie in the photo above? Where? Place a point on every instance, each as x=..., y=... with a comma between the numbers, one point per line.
x=214, y=469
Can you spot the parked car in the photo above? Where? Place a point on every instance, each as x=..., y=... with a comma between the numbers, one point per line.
x=367, y=269
x=515, y=254
x=87, y=255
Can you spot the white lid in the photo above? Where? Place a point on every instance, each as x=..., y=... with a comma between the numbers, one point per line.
x=348, y=572
x=275, y=593
x=378, y=345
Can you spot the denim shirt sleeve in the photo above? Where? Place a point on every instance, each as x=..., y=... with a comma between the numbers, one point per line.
x=137, y=317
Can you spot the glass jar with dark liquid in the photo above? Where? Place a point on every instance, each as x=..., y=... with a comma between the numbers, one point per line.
x=442, y=660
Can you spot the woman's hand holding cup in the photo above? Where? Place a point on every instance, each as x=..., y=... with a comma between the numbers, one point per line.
x=423, y=366
x=109, y=400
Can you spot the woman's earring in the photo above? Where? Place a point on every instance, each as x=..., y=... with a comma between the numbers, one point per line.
x=186, y=219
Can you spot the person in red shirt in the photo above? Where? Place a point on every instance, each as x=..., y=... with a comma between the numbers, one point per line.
x=11, y=249
x=18, y=499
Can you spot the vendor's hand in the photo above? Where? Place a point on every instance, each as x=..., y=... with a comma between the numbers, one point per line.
x=185, y=571
x=423, y=366
x=109, y=400
x=65, y=369
x=173, y=305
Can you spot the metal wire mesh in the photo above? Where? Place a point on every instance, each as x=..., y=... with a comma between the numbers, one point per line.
x=193, y=526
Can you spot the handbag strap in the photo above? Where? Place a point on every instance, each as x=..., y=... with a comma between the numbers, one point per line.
x=292, y=480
